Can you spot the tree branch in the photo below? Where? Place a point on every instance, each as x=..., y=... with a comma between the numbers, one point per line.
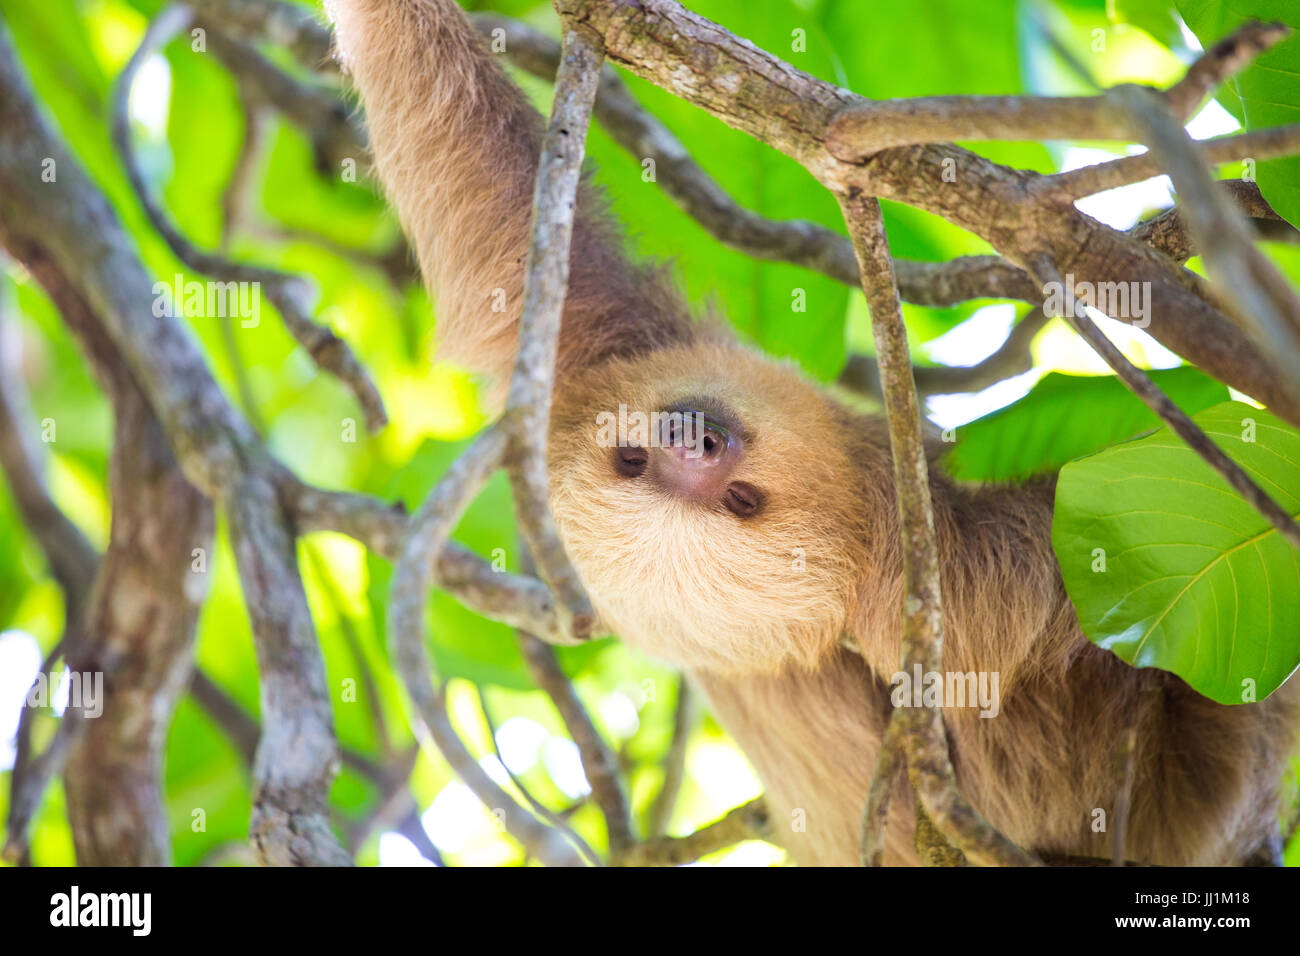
x=1012, y=357
x=130, y=617
x=792, y=111
x=1099, y=177
x=550, y=816
x=391, y=780
x=802, y=243
x=929, y=765
x=869, y=126
x=1256, y=293
x=319, y=112
x=890, y=762
x=289, y=25
x=71, y=557
x=74, y=229
x=749, y=821
x=519, y=442
x=598, y=761
x=674, y=761
x=546, y=276
x=517, y=601
x=1168, y=231
x=1140, y=384
x=1124, y=796
x=412, y=576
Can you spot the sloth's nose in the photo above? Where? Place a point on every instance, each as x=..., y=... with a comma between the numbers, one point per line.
x=695, y=458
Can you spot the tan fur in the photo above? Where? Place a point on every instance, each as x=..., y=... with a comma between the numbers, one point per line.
x=755, y=609
x=451, y=135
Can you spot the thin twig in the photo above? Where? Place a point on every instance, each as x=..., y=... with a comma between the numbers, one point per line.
x=319, y=112
x=26, y=795
x=674, y=761
x=370, y=687
x=1087, y=180
x=71, y=556
x=598, y=761
x=234, y=200
x=890, y=762
x=1013, y=357
x=1140, y=384
x=236, y=197
x=412, y=576
x=1124, y=796
x=546, y=276
x=288, y=25
x=539, y=808
x=749, y=821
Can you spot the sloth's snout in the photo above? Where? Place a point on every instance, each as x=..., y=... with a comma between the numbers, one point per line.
x=694, y=458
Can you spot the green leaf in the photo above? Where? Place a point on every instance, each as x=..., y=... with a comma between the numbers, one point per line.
x=1065, y=417
x=1269, y=89
x=1169, y=567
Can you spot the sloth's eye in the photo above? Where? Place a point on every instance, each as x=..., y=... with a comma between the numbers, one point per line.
x=742, y=499
x=630, y=461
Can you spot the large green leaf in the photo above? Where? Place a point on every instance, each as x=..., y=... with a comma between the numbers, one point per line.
x=1268, y=89
x=1065, y=417
x=1169, y=567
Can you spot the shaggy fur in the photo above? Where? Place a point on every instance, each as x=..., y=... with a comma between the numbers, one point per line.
x=755, y=608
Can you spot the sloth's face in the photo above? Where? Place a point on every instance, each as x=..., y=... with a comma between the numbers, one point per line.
x=705, y=496
x=692, y=449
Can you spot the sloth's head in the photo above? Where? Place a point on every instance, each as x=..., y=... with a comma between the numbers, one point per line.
x=710, y=502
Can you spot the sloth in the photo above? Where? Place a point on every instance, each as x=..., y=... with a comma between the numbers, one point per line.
x=753, y=559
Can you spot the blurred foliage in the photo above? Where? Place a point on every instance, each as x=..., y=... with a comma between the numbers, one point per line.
x=188, y=127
